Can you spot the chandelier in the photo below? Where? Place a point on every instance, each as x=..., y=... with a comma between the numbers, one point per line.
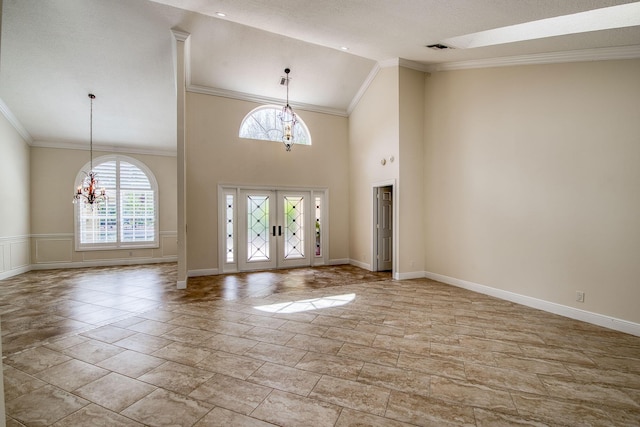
x=287, y=116
x=88, y=192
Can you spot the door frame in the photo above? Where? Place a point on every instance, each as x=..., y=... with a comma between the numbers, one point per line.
x=396, y=219
x=235, y=190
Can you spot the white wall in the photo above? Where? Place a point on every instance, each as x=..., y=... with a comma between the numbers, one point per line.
x=216, y=155
x=14, y=209
x=533, y=182
x=53, y=174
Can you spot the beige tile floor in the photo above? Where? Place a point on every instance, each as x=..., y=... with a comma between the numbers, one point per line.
x=336, y=346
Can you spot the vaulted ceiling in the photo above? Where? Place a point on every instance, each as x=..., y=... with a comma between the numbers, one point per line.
x=53, y=53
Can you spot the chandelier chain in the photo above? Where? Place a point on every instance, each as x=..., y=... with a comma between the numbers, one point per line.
x=88, y=192
x=92, y=97
x=288, y=117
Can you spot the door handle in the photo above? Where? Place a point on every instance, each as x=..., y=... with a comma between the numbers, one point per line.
x=279, y=230
x=274, y=231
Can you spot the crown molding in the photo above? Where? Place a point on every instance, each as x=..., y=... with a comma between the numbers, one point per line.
x=105, y=148
x=413, y=65
x=13, y=120
x=387, y=63
x=206, y=90
x=391, y=62
x=364, y=86
x=600, y=54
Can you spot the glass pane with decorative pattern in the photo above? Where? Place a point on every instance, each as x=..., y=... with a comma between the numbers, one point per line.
x=318, y=226
x=229, y=227
x=257, y=228
x=294, y=227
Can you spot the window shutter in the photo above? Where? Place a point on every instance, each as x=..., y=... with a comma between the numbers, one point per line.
x=129, y=215
x=137, y=206
x=131, y=177
x=99, y=224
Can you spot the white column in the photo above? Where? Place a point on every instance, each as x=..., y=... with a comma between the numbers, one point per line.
x=181, y=64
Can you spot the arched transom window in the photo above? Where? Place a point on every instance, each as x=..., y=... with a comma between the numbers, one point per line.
x=129, y=217
x=264, y=123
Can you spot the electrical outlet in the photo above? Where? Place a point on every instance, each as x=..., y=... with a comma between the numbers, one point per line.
x=580, y=296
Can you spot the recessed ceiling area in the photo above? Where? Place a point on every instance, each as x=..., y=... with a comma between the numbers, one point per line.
x=53, y=53
x=607, y=18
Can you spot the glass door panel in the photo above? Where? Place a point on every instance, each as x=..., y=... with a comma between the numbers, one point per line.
x=257, y=240
x=293, y=244
x=275, y=229
x=293, y=227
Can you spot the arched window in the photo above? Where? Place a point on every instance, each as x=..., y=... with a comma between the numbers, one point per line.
x=129, y=218
x=264, y=123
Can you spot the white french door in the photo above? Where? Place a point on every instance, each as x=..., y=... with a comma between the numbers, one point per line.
x=274, y=229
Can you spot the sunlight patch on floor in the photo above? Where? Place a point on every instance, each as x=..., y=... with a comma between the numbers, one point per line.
x=307, y=304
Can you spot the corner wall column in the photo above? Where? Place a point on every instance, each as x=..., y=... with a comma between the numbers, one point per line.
x=181, y=63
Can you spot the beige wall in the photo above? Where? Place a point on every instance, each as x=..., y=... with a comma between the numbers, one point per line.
x=533, y=181
x=216, y=155
x=14, y=209
x=14, y=212
x=410, y=194
x=53, y=175
x=388, y=124
x=373, y=136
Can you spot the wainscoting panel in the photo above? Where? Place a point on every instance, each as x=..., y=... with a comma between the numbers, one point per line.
x=169, y=244
x=4, y=264
x=58, y=251
x=15, y=257
x=19, y=252
x=54, y=249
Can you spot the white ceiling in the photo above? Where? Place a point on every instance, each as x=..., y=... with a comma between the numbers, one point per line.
x=53, y=53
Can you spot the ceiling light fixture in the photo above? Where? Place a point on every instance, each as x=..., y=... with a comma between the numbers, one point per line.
x=221, y=14
x=287, y=117
x=88, y=192
x=621, y=16
x=344, y=48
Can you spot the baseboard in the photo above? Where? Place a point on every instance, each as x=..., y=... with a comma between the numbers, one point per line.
x=15, y=272
x=409, y=275
x=551, y=307
x=359, y=264
x=339, y=261
x=181, y=284
x=203, y=272
x=102, y=263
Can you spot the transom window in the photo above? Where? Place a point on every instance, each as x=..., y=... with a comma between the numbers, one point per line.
x=264, y=123
x=129, y=218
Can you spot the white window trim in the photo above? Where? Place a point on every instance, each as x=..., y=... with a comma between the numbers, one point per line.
x=80, y=247
x=300, y=122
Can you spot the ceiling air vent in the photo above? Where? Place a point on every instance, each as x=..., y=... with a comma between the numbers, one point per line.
x=438, y=46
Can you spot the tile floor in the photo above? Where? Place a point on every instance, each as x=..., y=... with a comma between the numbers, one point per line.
x=332, y=346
